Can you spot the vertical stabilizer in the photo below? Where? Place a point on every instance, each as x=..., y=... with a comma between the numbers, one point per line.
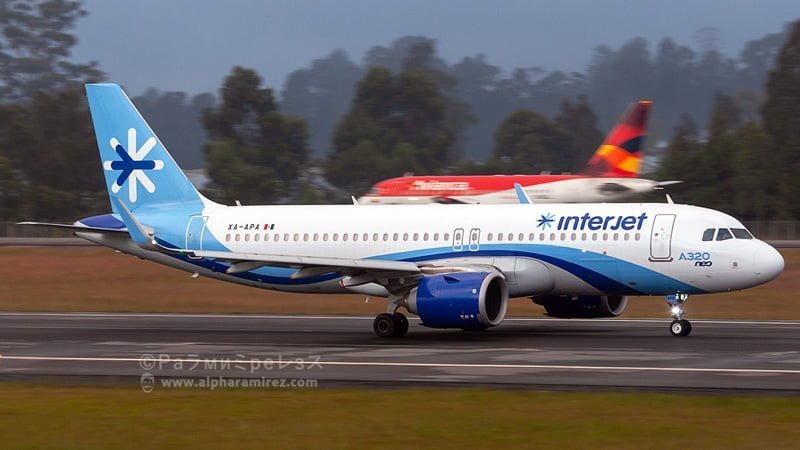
x=138, y=169
x=621, y=153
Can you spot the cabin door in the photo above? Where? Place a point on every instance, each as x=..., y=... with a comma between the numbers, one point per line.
x=661, y=237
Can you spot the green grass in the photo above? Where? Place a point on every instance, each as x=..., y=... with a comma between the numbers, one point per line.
x=63, y=417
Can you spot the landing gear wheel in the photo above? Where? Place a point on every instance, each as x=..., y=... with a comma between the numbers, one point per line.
x=402, y=325
x=680, y=327
x=385, y=325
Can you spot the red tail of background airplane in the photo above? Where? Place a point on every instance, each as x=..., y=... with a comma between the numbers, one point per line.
x=620, y=154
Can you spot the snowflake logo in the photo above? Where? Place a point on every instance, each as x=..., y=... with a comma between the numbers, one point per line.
x=132, y=164
x=546, y=221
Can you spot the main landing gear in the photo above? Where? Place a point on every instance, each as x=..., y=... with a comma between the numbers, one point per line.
x=390, y=325
x=679, y=325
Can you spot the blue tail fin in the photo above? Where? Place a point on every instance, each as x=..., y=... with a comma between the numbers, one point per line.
x=138, y=169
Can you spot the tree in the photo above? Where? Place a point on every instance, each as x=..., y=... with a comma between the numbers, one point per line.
x=782, y=121
x=528, y=142
x=177, y=120
x=320, y=95
x=255, y=153
x=397, y=123
x=581, y=124
x=51, y=143
x=35, y=47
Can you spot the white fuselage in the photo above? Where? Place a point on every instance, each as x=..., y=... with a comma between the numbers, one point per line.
x=574, y=190
x=621, y=249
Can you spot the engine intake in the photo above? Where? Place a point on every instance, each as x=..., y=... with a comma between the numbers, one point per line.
x=460, y=300
x=582, y=306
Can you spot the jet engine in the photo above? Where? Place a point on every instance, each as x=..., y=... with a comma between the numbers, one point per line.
x=582, y=306
x=468, y=300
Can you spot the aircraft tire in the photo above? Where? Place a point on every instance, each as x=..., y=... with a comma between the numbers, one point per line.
x=402, y=324
x=385, y=325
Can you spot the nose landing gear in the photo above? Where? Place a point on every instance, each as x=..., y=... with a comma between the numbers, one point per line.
x=679, y=325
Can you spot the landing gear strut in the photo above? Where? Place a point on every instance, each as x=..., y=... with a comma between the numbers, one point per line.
x=679, y=325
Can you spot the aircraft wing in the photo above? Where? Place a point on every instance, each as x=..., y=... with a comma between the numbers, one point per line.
x=243, y=262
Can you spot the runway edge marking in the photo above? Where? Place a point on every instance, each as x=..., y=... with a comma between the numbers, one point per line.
x=430, y=365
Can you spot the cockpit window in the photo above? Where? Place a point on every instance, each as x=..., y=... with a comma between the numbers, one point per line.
x=741, y=233
x=708, y=235
x=724, y=234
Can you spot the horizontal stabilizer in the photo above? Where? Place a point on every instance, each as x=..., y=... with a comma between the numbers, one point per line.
x=76, y=228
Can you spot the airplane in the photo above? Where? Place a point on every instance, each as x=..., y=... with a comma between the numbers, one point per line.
x=453, y=266
x=610, y=175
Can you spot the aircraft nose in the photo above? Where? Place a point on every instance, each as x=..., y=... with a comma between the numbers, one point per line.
x=769, y=263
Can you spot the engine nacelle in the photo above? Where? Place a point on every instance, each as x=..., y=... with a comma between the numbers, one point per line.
x=582, y=306
x=467, y=300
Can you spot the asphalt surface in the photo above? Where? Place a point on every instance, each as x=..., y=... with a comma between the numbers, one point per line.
x=614, y=354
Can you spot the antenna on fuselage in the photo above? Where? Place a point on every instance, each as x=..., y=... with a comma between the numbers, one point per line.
x=669, y=200
x=353, y=198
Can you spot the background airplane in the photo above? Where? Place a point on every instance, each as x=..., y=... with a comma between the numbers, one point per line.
x=610, y=175
x=454, y=266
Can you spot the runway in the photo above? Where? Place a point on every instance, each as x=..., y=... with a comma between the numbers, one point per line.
x=539, y=353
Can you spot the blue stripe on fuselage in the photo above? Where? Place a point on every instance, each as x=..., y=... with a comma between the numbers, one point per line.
x=603, y=272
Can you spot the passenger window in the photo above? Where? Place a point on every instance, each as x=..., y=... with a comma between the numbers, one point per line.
x=541, y=236
x=447, y=237
x=305, y=237
x=510, y=237
x=355, y=237
x=345, y=236
x=741, y=233
x=425, y=237
x=435, y=236
x=385, y=237
x=256, y=237
x=266, y=237
x=708, y=235
x=365, y=237
x=316, y=237
x=531, y=236
x=375, y=237
x=521, y=237
x=296, y=237
x=489, y=237
x=416, y=237
x=285, y=237
x=237, y=237
x=395, y=237
x=724, y=234
x=499, y=237
x=405, y=237
x=325, y=237
x=335, y=237
x=228, y=237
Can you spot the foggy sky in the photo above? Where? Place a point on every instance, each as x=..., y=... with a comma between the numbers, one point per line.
x=190, y=45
